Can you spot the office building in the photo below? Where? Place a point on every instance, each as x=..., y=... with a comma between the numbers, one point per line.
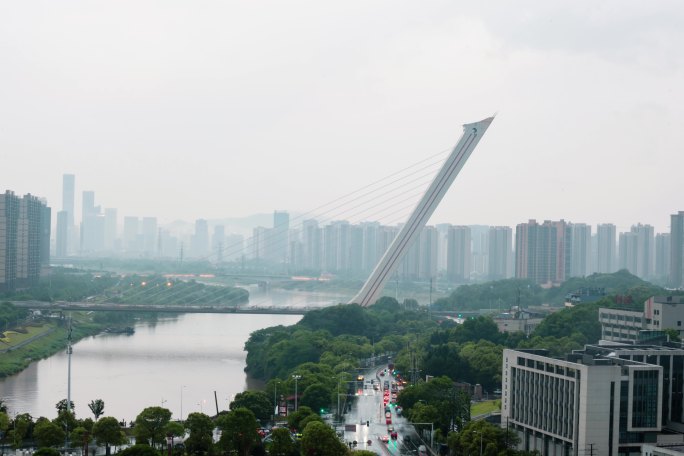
x=677, y=249
x=591, y=403
x=62, y=235
x=92, y=225
x=628, y=326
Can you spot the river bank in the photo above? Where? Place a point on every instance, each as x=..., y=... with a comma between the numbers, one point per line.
x=17, y=358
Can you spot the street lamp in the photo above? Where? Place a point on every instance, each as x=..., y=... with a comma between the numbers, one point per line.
x=296, y=378
x=181, y=402
x=275, y=398
x=479, y=432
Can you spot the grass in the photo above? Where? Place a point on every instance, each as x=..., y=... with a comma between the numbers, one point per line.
x=480, y=408
x=12, y=338
x=17, y=360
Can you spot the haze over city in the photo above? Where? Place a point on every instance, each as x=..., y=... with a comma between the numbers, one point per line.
x=230, y=109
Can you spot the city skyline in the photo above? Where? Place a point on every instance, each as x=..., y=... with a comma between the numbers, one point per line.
x=248, y=108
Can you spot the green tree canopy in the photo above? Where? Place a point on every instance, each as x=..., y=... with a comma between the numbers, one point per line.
x=257, y=401
x=48, y=434
x=281, y=443
x=319, y=439
x=107, y=432
x=150, y=424
x=139, y=450
x=201, y=429
x=238, y=431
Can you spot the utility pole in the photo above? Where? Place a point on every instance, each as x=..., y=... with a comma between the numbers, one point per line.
x=69, y=351
x=296, y=378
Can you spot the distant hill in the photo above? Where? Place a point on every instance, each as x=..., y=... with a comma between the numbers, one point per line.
x=503, y=294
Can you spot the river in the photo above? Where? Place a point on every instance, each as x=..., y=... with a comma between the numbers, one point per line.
x=178, y=362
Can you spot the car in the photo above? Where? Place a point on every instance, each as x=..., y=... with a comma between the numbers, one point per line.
x=390, y=429
x=388, y=414
x=384, y=438
x=382, y=374
x=393, y=435
x=388, y=420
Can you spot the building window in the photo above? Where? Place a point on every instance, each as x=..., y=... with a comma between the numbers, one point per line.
x=679, y=323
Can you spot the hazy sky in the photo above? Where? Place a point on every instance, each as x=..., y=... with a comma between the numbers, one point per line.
x=188, y=109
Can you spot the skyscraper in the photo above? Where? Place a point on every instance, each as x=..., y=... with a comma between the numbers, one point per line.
x=111, y=228
x=149, y=233
x=62, y=236
x=200, y=240
x=677, y=249
x=280, y=239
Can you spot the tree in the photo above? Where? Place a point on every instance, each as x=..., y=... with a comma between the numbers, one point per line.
x=257, y=401
x=4, y=422
x=139, y=450
x=201, y=429
x=319, y=439
x=97, y=407
x=316, y=396
x=281, y=443
x=150, y=424
x=20, y=429
x=61, y=406
x=294, y=419
x=66, y=421
x=46, y=452
x=481, y=434
x=47, y=433
x=107, y=431
x=238, y=431
x=80, y=435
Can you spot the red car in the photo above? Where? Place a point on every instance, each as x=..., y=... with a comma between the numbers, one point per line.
x=388, y=420
x=393, y=435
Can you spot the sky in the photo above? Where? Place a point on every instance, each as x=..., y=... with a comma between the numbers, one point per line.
x=214, y=109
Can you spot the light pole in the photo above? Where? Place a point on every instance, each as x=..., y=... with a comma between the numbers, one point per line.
x=479, y=432
x=296, y=378
x=275, y=399
x=181, y=402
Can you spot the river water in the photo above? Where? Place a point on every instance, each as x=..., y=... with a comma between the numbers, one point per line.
x=178, y=362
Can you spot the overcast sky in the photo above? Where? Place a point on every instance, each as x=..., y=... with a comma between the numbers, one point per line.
x=203, y=108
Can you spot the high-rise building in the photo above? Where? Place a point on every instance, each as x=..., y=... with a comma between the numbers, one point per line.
x=606, y=243
x=458, y=254
x=149, y=234
x=677, y=249
x=479, y=235
x=24, y=240
x=311, y=240
x=218, y=242
x=371, y=251
x=662, y=256
x=92, y=225
x=580, y=249
x=62, y=236
x=427, y=267
x=541, y=252
x=500, y=262
x=68, y=233
x=356, y=251
x=131, y=231
x=200, y=240
x=279, y=237
x=111, y=228
x=636, y=250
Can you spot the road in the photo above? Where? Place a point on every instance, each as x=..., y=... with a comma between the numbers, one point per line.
x=369, y=408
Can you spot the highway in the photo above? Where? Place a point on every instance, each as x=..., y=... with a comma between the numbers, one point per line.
x=369, y=408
